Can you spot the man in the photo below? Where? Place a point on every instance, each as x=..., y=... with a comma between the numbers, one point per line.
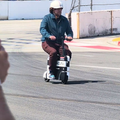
x=53, y=27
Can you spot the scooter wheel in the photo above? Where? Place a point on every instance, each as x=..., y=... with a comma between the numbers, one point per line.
x=45, y=77
x=46, y=80
x=64, y=79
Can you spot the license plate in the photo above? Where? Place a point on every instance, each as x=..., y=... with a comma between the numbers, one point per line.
x=61, y=63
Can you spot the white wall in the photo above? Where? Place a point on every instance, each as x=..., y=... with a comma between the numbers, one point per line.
x=3, y=10
x=74, y=24
x=27, y=9
x=37, y=9
x=116, y=21
x=96, y=23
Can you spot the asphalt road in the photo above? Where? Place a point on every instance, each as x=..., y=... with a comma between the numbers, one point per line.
x=92, y=92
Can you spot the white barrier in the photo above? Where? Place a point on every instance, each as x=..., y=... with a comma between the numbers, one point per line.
x=28, y=9
x=3, y=10
x=37, y=9
x=116, y=21
x=13, y=10
x=95, y=23
x=75, y=24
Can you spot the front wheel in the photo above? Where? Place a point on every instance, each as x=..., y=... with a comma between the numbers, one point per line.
x=46, y=80
x=45, y=77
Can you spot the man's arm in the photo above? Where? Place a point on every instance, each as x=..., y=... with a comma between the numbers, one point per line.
x=43, y=28
x=69, y=31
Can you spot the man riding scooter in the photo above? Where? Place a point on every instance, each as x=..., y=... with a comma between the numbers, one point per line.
x=53, y=27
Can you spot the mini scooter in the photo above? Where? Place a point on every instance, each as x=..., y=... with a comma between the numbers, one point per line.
x=62, y=67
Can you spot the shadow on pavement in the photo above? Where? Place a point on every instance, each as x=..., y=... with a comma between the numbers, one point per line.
x=76, y=82
x=84, y=81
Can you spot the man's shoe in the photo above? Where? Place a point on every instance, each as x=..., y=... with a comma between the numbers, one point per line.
x=51, y=76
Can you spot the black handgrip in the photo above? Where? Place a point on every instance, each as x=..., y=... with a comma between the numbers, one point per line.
x=68, y=39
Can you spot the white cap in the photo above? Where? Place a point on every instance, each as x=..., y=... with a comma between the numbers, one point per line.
x=56, y=4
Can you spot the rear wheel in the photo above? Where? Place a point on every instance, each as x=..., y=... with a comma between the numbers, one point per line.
x=64, y=78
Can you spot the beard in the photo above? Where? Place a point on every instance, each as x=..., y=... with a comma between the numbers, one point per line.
x=57, y=14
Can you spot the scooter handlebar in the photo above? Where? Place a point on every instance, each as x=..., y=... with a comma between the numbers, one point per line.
x=68, y=39
x=63, y=39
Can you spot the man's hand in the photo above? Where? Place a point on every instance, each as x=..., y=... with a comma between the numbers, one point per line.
x=69, y=38
x=52, y=37
x=4, y=64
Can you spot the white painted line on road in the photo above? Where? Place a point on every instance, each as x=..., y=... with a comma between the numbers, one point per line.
x=97, y=67
x=87, y=55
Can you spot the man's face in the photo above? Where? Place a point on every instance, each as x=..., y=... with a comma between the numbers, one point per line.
x=57, y=12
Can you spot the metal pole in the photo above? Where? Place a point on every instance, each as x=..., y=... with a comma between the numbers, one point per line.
x=91, y=5
x=78, y=19
x=79, y=5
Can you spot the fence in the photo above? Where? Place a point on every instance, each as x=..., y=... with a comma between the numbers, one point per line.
x=93, y=5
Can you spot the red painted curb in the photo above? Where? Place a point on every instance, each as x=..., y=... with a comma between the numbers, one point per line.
x=77, y=44
x=118, y=43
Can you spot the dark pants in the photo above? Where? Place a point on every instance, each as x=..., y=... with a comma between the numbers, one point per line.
x=53, y=49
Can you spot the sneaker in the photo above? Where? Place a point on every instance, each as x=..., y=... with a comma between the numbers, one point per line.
x=51, y=76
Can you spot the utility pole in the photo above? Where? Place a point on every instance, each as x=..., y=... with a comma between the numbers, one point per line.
x=79, y=4
x=91, y=5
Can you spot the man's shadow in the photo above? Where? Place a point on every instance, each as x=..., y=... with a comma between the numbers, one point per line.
x=73, y=82
x=84, y=81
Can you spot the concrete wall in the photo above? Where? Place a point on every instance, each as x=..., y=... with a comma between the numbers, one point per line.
x=116, y=21
x=28, y=9
x=3, y=10
x=95, y=23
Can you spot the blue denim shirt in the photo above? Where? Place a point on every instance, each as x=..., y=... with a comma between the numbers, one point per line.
x=58, y=28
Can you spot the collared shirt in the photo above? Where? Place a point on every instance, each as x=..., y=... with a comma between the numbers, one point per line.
x=56, y=27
